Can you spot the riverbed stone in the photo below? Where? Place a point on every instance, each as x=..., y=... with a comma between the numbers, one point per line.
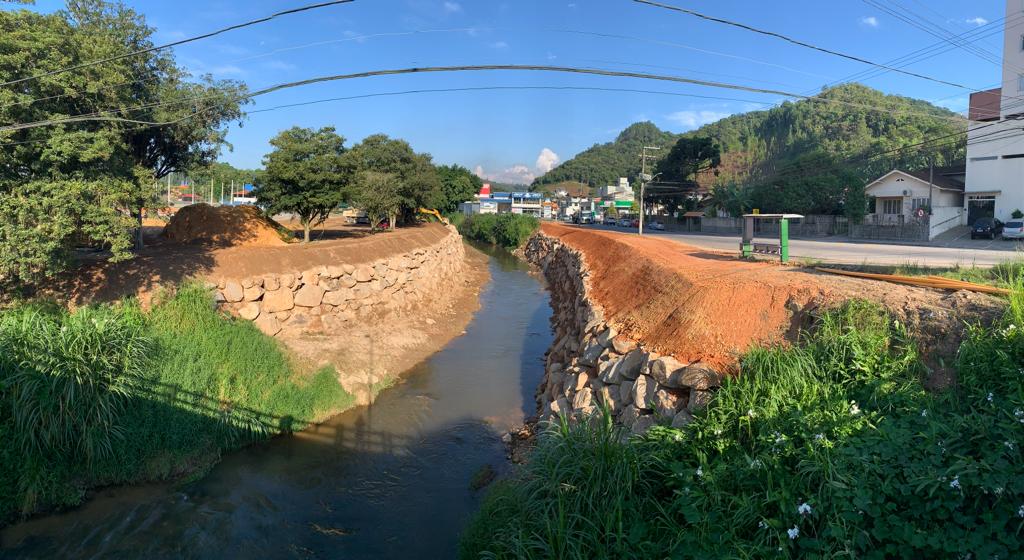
x=583, y=400
x=560, y=406
x=338, y=297
x=248, y=283
x=644, y=389
x=590, y=353
x=626, y=392
x=648, y=357
x=268, y=324
x=278, y=300
x=629, y=415
x=698, y=400
x=610, y=398
x=347, y=281
x=699, y=376
x=233, y=291
x=667, y=402
x=666, y=371
x=250, y=311
x=606, y=336
x=643, y=423
x=622, y=345
x=582, y=380
x=682, y=418
x=287, y=281
x=252, y=293
x=363, y=274
x=310, y=295
x=608, y=371
x=329, y=284
x=271, y=283
x=631, y=364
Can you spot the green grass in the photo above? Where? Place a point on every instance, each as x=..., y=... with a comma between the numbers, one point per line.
x=1001, y=275
x=115, y=395
x=841, y=423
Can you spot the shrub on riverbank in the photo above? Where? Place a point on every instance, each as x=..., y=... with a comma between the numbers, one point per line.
x=830, y=449
x=114, y=395
x=507, y=230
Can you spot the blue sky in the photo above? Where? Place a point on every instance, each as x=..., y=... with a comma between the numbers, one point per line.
x=513, y=135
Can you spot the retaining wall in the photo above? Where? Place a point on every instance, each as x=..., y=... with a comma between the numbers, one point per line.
x=591, y=365
x=324, y=298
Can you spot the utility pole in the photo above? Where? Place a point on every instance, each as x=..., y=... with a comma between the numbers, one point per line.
x=168, y=190
x=222, y=193
x=931, y=178
x=211, y=192
x=644, y=178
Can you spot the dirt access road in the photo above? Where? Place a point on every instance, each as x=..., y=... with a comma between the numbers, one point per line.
x=979, y=253
x=701, y=305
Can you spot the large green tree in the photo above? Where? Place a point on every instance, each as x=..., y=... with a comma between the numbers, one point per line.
x=307, y=174
x=94, y=127
x=458, y=185
x=416, y=179
x=688, y=158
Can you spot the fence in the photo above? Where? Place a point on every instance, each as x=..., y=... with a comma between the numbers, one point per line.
x=891, y=227
x=808, y=226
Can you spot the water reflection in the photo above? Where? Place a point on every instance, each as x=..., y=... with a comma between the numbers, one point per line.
x=387, y=481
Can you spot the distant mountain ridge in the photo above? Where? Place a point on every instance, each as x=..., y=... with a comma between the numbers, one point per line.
x=840, y=123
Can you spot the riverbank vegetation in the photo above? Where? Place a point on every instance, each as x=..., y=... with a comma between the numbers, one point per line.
x=114, y=394
x=830, y=449
x=506, y=230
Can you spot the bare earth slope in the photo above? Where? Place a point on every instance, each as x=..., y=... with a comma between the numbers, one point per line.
x=705, y=306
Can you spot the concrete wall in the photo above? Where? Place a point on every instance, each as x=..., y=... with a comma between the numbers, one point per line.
x=590, y=365
x=324, y=298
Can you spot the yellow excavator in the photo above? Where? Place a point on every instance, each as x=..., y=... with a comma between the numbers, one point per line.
x=436, y=214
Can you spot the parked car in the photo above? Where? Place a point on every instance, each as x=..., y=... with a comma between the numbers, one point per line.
x=656, y=224
x=986, y=227
x=625, y=222
x=610, y=220
x=586, y=219
x=1013, y=229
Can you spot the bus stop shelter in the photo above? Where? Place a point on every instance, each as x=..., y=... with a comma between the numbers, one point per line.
x=747, y=246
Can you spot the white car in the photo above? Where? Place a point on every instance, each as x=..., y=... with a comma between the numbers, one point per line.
x=1014, y=229
x=656, y=224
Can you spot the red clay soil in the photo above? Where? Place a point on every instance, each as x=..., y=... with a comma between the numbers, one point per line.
x=223, y=226
x=171, y=263
x=704, y=306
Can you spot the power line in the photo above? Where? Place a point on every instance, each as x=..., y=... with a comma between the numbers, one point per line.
x=176, y=43
x=471, y=68
x=798, y=42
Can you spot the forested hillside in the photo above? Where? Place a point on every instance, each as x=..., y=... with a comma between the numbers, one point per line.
x=848, y=122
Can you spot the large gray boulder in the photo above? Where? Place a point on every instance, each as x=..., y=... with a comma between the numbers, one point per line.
x=699, y=376
x=233, y=291
x=278, y=300
x=666, y=370
x=644, y=390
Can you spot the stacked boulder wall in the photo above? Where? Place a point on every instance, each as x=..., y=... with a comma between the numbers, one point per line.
x=224, y=226
x=648, y=328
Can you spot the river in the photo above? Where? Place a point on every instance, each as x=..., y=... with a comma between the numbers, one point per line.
x=392, y=480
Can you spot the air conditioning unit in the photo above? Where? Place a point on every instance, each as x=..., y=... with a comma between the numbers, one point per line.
x=906, y=192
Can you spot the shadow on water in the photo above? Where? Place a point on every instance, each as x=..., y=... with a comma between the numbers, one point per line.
x=387, y=481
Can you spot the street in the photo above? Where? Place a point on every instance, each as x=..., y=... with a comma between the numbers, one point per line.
x=965, y=253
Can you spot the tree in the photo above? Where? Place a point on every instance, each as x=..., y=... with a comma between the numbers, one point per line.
x=458, y=185
x=688, y=158
x=306, y=174
x=415, y=178
x=379, y=196
x=113, y=151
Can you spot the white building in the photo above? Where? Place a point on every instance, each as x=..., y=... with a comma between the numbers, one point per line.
x=903, y=197
x=995, y=141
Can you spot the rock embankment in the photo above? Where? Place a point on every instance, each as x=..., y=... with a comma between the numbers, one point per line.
x=327, y=297
x=592, y=365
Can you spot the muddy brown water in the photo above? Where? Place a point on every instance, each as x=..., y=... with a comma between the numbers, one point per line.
x=391, y=480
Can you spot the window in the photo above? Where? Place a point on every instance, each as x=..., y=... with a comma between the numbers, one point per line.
x=919, y=203
x=1022, y=42
x=892, y=206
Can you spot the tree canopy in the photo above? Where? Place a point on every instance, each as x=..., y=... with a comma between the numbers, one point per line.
x=416, y=181
x=112, y=155
x=458, y=185
x=307, y=174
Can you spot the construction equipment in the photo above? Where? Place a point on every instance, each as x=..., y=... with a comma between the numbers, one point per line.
x=436, y=214
x=937, y=282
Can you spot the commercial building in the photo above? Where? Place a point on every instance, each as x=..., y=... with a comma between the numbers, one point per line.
x=487, y=202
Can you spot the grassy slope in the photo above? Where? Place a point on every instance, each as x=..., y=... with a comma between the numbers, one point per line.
x=841, y=424
x=209, y=384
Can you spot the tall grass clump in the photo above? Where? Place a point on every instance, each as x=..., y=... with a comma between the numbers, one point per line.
x=829, y=449
x=114, y=395
x=506, y=230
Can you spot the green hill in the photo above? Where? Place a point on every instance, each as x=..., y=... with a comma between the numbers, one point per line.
x=846, y=122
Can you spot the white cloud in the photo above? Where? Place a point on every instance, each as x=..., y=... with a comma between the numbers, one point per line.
x=696, y=119
x=546, y=160
x=870, y=21
x=279, y=65
x=452, y=7
x=977, y=20
x=499, y=45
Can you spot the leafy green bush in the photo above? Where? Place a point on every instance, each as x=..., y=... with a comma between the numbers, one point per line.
x=507, y=230
x=831, y=449
x=113, y=395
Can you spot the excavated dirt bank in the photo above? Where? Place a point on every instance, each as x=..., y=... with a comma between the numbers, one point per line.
x=701, y=306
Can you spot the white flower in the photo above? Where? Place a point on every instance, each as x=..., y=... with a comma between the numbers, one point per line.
x=955, y=483
x=700, y=471
x=793, y=533
x=804, y=509
x=756, y=463
x=854, y=409
x=1020, y=511
x=989, y=397
x=924, y=413
x=819, y=437
x=999, y=490
x=762, y=525
x=751, y=413
x=1008, y=444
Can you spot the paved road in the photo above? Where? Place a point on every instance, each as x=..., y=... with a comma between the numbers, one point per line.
x=962, y=253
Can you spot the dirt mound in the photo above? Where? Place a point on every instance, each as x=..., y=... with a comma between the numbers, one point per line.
x=223, y=226
x=711, y=307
